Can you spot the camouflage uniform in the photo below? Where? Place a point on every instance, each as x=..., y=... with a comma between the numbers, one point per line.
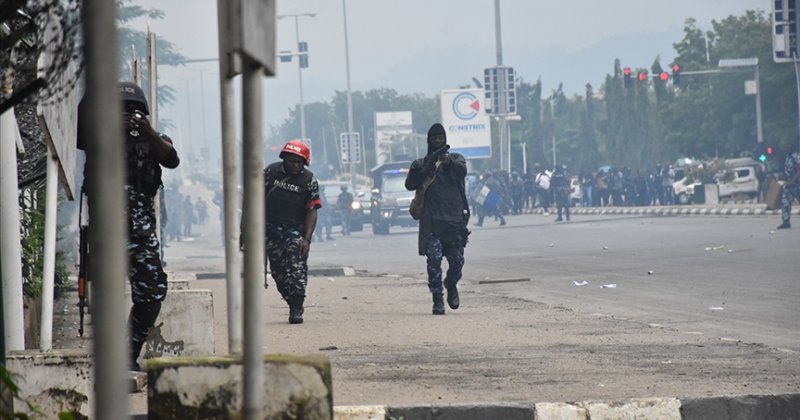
x=145, y=270
x=790, y=191
x=453, y=251
x=287, y=265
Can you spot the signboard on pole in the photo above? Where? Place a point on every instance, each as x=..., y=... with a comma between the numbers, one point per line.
x=469, y=131
x=350, y=144
x=389, y=125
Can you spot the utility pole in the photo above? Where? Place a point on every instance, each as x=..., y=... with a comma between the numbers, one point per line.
x=299, y=68
x=349, y=93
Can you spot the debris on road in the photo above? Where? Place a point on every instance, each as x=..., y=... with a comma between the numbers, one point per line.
x=609, y=286
x=714, y=248
x=716, y=308
x=580, y=283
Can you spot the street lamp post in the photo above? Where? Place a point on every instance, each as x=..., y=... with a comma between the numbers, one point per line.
x=349, y=93
x=299, y=68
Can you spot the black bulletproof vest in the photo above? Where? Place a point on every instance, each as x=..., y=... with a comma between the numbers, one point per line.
x=286, y=195
x=143, y=171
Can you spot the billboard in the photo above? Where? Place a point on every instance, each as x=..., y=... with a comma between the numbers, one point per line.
x=389, y=125
x=469, y=130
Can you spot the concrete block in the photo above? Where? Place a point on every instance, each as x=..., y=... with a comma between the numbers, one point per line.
x=359, y=412
x=747, y=407
x=184, y=327
x=298, y=387
x=54, y=382
x=505, y=411
x=635, y=409
x=560, y=411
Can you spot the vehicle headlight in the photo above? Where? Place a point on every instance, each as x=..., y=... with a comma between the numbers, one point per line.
x=356, y=205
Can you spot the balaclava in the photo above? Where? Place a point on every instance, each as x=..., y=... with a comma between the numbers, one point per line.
x=434, y=131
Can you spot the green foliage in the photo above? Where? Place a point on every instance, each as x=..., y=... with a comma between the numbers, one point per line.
x=7, y=383
x=32, y=221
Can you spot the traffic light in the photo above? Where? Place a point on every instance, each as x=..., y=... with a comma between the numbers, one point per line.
x=663, y=76
x=302, y=48
x=642, y=76
x=763, y=152
x=626, y=74
x=676, y=74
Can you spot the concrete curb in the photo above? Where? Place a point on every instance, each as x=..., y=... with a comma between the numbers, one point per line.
x=677, y=210
x=312, y=272
x=745, y=407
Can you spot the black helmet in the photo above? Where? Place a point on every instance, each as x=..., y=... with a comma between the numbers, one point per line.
x=131, y=92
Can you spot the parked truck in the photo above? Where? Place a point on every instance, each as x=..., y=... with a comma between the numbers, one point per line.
x=389, y=197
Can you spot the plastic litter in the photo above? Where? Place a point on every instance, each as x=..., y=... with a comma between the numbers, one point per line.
x=609, y=286
x=649, y=271
x=551, y=245
x=580, y=283
x=714, y=248
x=716, y=308
x=605, y=247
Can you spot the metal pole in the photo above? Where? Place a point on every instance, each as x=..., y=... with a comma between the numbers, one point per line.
x=759, y=129
x=505, y=147
x=10, y=238
x=300, y=79
x=253, y=222
x=349, y=93
x=49, y=269
x=233, y=283
x=498, y=37
x=105, y=175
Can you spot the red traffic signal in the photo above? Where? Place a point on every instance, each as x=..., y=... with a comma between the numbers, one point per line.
x=626, y=73
x=770, y=150
x=676, y=74
x=642, y=76
x=663, y=76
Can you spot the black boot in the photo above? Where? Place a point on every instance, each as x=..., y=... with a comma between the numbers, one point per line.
x=452, y=297
x=785, y=225
x=296, y=310
x=438, y=304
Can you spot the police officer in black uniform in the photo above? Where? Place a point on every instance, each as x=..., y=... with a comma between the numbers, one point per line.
x=291, y=194
x=146, y=150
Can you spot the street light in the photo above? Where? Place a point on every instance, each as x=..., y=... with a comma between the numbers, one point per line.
x=748, y=62
x=349, y=94
x=299, y=68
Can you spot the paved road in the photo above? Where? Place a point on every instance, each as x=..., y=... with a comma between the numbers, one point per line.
x=546, y=339
x=728, y=276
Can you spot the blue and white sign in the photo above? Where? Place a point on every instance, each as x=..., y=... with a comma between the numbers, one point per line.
x=469, y=130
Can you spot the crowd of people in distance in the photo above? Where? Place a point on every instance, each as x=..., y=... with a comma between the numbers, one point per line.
x=498, y=193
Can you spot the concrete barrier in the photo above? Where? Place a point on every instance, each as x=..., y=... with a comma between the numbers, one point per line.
x=505, y=411
x=359, y=412
x=746, y=407
x=52, y=383
x=298, y=387
x=184, y=327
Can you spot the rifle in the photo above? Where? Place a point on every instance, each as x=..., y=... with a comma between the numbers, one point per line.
x=83, y=247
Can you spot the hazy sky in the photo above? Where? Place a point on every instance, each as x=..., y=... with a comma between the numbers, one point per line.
x=428, y=45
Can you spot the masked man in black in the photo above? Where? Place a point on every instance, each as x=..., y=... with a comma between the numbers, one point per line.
x=442, y=229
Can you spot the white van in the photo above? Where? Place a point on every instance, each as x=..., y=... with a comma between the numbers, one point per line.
x=745, y=181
